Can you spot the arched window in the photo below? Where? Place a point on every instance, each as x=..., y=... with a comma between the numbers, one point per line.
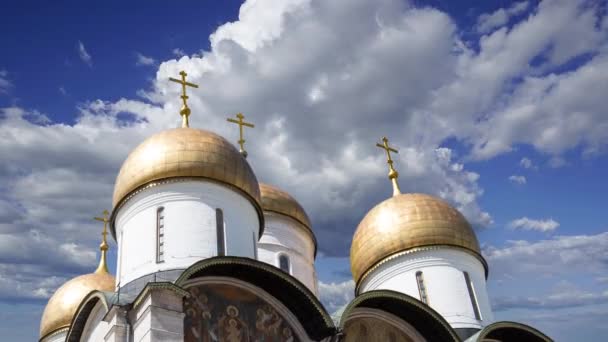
x=421, y=287
x=220, y=231
x=284, y=263
x=472, y=296
x=160, y=234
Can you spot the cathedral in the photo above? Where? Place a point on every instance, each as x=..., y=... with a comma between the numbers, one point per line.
x=207, y=253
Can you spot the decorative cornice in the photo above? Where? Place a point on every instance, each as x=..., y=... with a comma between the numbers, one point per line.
x=158, y=286
x=55, y=332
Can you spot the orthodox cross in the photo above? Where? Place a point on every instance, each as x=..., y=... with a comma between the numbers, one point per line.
x=185, y=111
x=392, y=173
x=104, y=244
x=241, y=123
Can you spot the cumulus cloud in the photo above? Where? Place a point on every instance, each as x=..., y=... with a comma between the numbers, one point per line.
x=489, y=21
x=553, y=258
x=335, y=295
x=84, y=54
x=568, y=299
x=144, y=60
x=517, y=179
x=525, y=223
x=323, y=81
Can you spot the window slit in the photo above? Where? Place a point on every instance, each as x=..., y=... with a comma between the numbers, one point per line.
x=160, y=234
x=422, y=288
x=472, y=296
x=221, y=232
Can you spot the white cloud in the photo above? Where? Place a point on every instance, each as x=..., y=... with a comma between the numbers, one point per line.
x=178, y=52
x=555, y=258
x=568, y=298
x=527, y=163
x=63, y=91
x=525, y=223
x=518, y=179
x=336, y=295
x=5, y=83
x=144, y=60
x=84, y=55
x=487, y=22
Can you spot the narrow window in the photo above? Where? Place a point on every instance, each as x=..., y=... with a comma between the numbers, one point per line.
x=221, y=233
x=160, y=234
x=422, y=288
x=472, y=296
x=255, y=247
x=284, y=263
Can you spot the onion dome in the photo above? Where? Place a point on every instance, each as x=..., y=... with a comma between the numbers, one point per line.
x=64, y=303
x=404, y=222
x=185, y=153
x=278, y=201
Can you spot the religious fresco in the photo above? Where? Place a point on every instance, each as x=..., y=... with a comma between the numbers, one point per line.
x=373, y=329
x=228, y=313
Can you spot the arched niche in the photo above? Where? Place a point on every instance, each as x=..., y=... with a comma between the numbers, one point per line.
x=228, y=309
x=367, y=324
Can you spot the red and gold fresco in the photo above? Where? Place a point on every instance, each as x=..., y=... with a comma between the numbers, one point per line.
x=373, y=329
x=231, y=314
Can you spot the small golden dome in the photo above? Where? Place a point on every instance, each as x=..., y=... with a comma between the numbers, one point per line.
x=407, y=221
x=279, y=201
x=185, y=152
x=62, y=306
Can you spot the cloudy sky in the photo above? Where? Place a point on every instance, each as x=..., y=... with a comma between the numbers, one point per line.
x=496, y=106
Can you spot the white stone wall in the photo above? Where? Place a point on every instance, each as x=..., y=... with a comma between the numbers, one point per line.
x=95, y=328
x=442, y=269
x=190, y=227
x=284, y=235
x=159, y=317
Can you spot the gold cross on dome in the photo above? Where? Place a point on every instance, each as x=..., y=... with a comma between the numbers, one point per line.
x=105, y=219
x=241, y=123
x=185, y=111
x=103, y=266
x=392, y=173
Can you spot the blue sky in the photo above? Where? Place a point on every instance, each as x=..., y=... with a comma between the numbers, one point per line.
x=496, y=106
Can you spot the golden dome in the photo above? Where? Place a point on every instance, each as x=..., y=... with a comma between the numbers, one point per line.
x=62, y=306
x=279, y=201
x=185, y=152
x=407, y=221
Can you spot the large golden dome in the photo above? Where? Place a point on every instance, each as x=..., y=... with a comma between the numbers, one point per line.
x=62, y=306
x=404, y=222
x=279, y=201
x=182, y=153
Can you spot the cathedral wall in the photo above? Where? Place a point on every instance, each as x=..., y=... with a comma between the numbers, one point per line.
x=95, y=328
x=442, y=272
x=190, y=230
x=283, y=235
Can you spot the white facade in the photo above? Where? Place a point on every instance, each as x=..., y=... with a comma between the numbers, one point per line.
x=444, y=281
x=189, y=227
x=286, y=236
